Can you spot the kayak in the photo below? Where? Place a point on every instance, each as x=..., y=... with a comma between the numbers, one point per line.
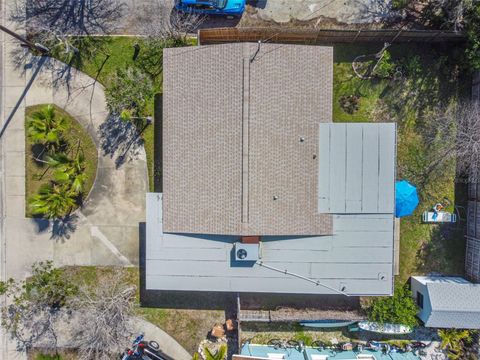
x=386, y=328
x=326, y=323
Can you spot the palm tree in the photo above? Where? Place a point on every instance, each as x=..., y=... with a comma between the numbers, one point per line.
x=219, y=355
x=453, y=341
x=45, y=128
x=69, y=170
x=53, y=201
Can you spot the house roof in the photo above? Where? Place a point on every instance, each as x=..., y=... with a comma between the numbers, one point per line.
x=358, y=258
x=240, y=138
x=454, y=305
x=249, y=149
x=356, y=172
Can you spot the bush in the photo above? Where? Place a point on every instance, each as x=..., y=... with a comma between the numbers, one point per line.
x=472, y=22
x=48, y=357
x=400, y=4
x=413, y=66
x=128, y=92
x=349, y=103
x=48, y=285
x=305, y=338
x=385, y=67
x=398, y=309
x=457, y=343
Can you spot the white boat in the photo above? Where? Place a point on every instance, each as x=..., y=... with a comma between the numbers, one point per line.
x=386, y=328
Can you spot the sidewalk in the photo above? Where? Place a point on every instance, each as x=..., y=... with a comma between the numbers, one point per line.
x=11, y=86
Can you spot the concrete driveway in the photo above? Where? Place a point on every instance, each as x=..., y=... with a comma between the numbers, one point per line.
x=343, y=11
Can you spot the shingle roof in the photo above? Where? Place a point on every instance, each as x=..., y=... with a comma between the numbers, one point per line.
x=240, y=138
x=454, y=305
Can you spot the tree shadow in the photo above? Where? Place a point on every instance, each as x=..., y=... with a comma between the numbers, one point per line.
x=120, y=139
x=63, y=228
x=20, y=100
x=79, y=17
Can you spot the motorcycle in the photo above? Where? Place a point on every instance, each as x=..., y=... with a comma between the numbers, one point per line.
x=144, y=350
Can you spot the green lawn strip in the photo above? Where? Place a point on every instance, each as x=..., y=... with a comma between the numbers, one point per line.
x=423, y=248
x=34, y=354
x=148, y=143
x=37, y=173
x=188, y=327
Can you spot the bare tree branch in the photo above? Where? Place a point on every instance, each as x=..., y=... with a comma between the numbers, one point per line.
x=106, y=312
x=455, y=134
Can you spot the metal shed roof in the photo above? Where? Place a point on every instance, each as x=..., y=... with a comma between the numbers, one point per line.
x=454, y=305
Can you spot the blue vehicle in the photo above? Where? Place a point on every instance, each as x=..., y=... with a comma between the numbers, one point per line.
x=229, y=8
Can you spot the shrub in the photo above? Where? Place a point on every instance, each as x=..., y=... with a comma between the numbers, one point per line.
x=305, y=338
x=398, y=309
x=53, y=201
x=48, y=357
x=48, y=285
x=472, y=22
x=400, y=4
x=349, y=103
x=457, y=343
x=46, y=127
x=128, y=92
x=385, y=67
x=413, y=66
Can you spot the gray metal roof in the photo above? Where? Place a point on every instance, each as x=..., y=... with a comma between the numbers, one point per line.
x=239, y=133
x=358, y=257
x=454, y=305
x=356, y=168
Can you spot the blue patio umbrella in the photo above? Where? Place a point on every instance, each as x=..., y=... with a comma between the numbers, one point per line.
x=406, y=198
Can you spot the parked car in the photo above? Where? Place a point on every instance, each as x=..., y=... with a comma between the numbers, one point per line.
x=229, y=8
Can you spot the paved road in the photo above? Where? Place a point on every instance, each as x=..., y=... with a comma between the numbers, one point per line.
x=141, y=13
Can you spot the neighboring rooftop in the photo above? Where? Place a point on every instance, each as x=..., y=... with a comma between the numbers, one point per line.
x=450, y=302
x=240, y=138
x=264, y=352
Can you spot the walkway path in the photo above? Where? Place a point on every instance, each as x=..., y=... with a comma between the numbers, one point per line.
x=10, y=86
x=167, y=344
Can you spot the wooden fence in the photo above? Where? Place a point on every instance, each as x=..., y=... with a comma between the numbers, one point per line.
x=322, y=36
x=476, y=86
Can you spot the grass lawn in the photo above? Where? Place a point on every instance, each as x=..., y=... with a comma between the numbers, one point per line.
x=410, y=103
x=62, y=355
x=38, y=173
x=188, y=327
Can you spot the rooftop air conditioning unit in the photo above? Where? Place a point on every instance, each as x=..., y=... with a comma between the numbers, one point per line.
x=246, y=252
